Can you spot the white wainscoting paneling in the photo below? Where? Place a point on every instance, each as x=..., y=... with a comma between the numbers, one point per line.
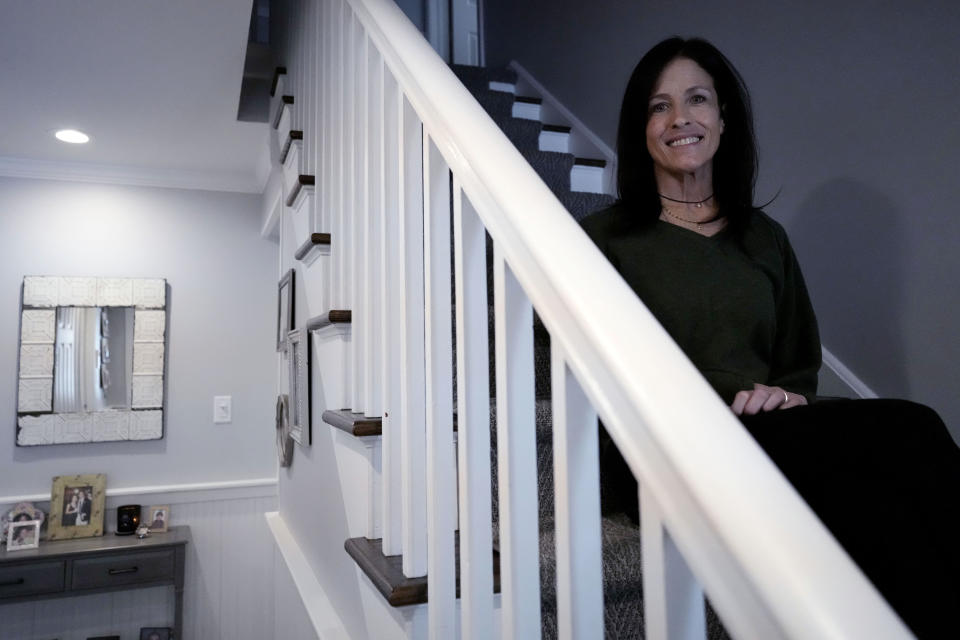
x=229, y=585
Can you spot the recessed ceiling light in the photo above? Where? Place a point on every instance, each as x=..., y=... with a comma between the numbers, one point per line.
x=72, y=136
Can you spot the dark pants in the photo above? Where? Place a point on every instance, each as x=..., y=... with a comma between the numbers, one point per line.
x=883, y=476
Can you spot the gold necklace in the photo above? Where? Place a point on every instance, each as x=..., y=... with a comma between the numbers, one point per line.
x=699, y=223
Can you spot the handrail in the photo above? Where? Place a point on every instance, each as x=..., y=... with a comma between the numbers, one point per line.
x=656, y=406
x=765, y=560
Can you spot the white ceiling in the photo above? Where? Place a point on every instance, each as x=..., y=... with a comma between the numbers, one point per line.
x=155, y=83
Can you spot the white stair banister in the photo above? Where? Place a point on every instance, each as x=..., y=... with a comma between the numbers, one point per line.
x=373, y=334
x=672, y=598
x=576, y=468
x=473, y=421
x=516, y=457
x=390, y=325
x=709, y=481
x=441, y=473
x=412, y=413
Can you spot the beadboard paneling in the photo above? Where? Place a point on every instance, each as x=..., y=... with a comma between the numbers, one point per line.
x=228, y=591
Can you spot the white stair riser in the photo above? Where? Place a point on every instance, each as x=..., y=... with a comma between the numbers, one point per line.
x=526, y=111
x=282, y=131
x=331, y=346
x=291, y=168
x=505, y=87
x=555, y=141
x=587, y=179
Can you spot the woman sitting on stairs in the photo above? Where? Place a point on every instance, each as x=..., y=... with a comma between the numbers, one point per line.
x=720, y=275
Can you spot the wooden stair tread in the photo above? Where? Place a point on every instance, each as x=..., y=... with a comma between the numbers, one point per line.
x=334, y=316
x=356, y=424
x=310, y=243
x=386, y=572
x=294, y=135
x=302, y=181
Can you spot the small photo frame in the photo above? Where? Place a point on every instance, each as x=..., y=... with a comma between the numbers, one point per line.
x=158, y=518
x=155, y=633
x=284, y=309
x=298, y=357
x=76, y=506
x=23, y=535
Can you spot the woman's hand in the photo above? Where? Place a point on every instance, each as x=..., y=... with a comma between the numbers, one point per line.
x=764, y=398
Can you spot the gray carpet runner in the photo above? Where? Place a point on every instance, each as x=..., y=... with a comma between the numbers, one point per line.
x=621, y=550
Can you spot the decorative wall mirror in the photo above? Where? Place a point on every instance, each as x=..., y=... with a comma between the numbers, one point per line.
x=92, y=360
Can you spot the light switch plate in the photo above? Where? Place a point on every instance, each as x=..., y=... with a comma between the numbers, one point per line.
x=222, y=409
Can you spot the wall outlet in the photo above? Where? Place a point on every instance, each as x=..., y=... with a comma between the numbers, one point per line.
x=221, y=409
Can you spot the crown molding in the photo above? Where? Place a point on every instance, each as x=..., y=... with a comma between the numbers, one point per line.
x=252, y=182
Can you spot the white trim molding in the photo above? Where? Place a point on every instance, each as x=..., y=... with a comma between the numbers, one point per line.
x=240, y=182
x=323, y=616
x=850, y=379
x=178, y=493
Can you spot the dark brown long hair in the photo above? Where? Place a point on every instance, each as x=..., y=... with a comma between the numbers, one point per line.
x=735, y=162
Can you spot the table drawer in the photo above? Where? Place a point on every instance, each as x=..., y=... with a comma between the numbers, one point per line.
x=120, y=569
x=31, y=579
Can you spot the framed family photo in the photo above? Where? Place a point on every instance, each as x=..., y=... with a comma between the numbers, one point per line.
x=24, y=534
x=285, y=308
x=158, y=518
x=76, y=506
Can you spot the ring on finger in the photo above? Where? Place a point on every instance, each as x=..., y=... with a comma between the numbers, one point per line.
x=786, y=398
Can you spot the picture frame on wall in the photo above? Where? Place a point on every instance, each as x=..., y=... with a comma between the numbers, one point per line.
x=285, y=308
x=23, y=535
x=76, y=506
x=298, y=359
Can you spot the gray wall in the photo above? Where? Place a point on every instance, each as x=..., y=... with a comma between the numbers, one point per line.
x=222, y=322
x=856, y=116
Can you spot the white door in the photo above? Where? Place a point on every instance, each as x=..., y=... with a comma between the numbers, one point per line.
x=466, y=32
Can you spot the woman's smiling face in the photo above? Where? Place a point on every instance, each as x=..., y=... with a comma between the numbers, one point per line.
x=683, y=121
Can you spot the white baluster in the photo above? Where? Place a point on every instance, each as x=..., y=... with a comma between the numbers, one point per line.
x=672, y=597
x=348, y=155
x=473, y=421
x=337, y=236
x=441, y=475
x=360, y=216
x=390, y=304
x=577, y=495
x=373, y=398
x=516, y=456
x=413, y=438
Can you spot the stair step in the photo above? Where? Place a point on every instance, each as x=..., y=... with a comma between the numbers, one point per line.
x=285, y=102
x=587, y=175
x=526, y=107
x=554, y=137
x=303, y=181
x=386, y=572
x=334, y=316
x=356, y=424
x=503, y=87
x=316, y=244
x=291, y=137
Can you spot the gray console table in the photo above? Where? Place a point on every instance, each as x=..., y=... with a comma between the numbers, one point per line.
x=64, y=568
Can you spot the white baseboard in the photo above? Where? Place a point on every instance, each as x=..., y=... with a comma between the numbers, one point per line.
x=176, y=493
x=322, y=615
x=857, y=386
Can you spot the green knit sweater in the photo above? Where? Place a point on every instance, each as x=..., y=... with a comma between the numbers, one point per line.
x=737, y=306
